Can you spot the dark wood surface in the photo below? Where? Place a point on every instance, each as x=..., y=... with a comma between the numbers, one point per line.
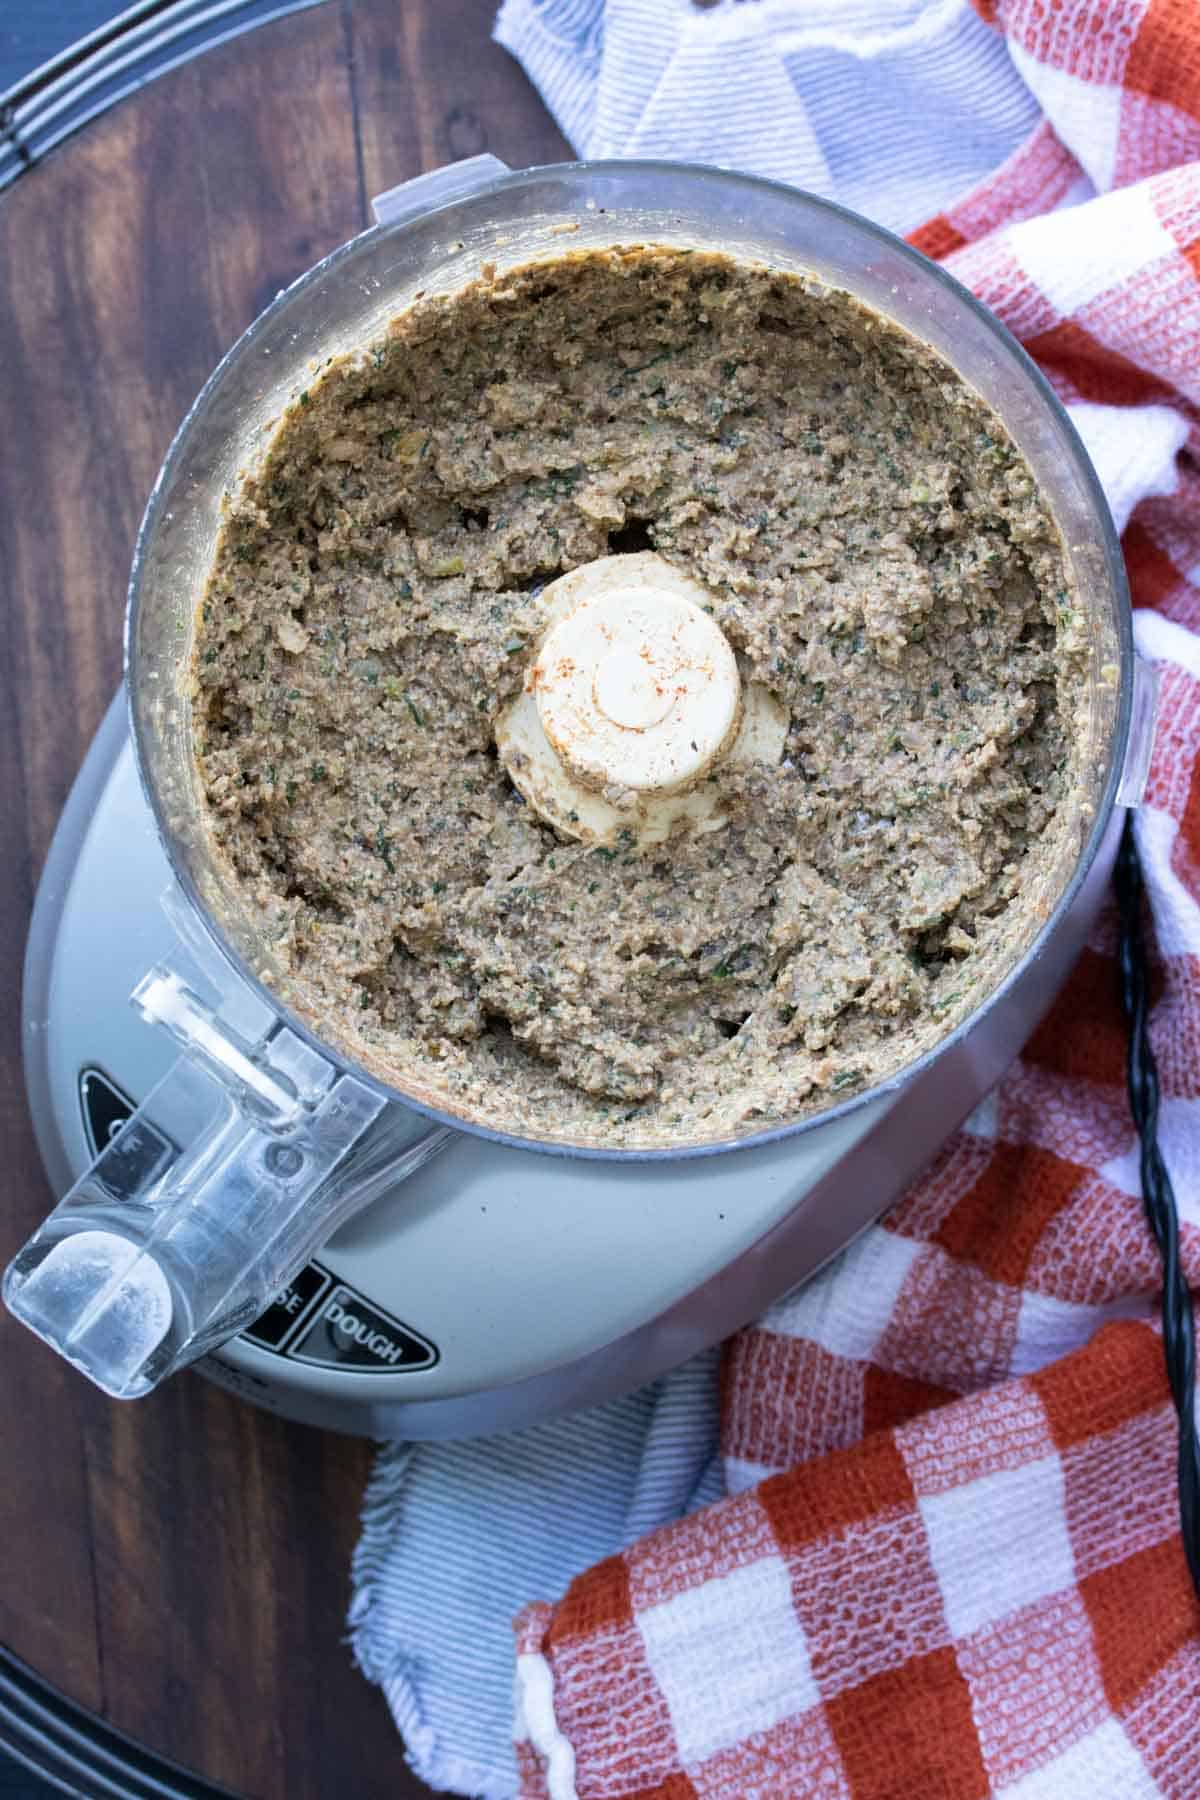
x=180, y=1565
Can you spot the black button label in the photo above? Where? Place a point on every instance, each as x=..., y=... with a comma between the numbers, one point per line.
x=105, y=1109
x=347, y=1333
x=143, y=1152
x=289, y=1310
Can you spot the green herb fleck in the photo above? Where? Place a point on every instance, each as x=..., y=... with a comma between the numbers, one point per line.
x=662, y=357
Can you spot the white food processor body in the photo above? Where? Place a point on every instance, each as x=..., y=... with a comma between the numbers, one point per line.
x=365, y=1258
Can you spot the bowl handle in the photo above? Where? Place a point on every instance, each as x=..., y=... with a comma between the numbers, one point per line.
x=210, y=1198
x=437, y=188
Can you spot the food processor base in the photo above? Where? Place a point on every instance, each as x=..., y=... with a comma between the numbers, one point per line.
x=495, y=1286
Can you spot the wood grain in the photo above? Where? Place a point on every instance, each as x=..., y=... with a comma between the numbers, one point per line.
x=432, y=87
x=180, y=1565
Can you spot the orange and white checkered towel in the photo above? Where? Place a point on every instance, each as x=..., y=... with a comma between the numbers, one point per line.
x=951, y=1563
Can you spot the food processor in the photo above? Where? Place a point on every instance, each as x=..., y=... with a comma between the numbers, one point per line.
x=240, y=1194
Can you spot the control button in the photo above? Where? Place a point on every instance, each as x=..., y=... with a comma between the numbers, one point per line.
x=289, y=1310
x=133, y=1158
x=347, y=1333
x=105, y=1109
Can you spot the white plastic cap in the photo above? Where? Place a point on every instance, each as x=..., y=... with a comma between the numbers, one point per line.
x=636, y=686
x=634, y=695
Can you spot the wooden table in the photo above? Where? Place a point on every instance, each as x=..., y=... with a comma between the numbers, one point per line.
x=179, y=1566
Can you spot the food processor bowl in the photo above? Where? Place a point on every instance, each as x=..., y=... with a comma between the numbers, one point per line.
x=265, y=1135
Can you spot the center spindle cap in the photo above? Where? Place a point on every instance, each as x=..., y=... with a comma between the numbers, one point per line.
x=637, y=686
x=630, y=701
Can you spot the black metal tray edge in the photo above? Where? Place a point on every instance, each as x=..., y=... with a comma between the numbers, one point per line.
x=92, y=74
x=77, y=1752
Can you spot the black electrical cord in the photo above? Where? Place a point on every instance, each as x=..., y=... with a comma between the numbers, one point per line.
x=1179, y=1336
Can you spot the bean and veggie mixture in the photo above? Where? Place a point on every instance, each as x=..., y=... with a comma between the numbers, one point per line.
x=877, y=553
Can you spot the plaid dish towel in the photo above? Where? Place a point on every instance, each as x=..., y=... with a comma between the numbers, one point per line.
x=948, y=1561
